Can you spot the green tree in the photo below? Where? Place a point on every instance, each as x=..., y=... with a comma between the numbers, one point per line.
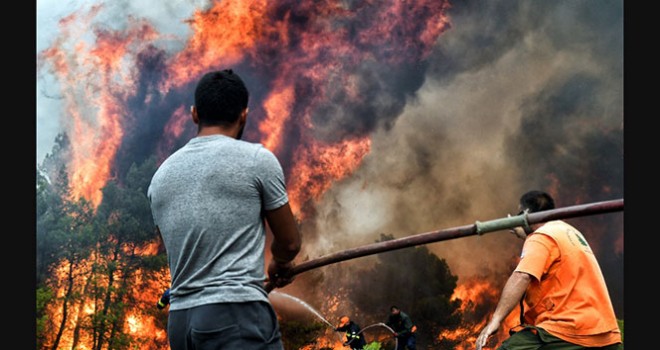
x=44, y=296
x=415, y=280
x=91, y=260
x=64, y=238
x=52, y=184
x=125, y=227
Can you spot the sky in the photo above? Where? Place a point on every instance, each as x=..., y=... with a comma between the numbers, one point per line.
x=168, y=19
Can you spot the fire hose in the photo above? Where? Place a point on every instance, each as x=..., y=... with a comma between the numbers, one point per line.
x=478, y=228
x=379, y=324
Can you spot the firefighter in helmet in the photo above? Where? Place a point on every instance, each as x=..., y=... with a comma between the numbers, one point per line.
x=354, y=336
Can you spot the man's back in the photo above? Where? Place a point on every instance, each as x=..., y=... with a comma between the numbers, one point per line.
x=400, y=323
x=208, y=200
x=571, y=299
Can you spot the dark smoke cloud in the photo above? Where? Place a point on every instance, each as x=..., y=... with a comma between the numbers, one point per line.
x=382, y=90
x=517, y=96
x=149, y=110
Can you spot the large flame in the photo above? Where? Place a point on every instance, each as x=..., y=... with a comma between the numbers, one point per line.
x=222, y=36
x=479, y=297
x=299, y=60
x=303, y=65
x=95, y=79
x=315, y=99
x=319, y=166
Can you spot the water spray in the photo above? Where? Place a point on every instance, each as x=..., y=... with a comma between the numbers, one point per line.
x=306, y=306
x=318, y=314
x=478, y=228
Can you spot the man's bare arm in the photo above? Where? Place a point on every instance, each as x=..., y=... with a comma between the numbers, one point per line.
x=512, y=292
x=287, y=240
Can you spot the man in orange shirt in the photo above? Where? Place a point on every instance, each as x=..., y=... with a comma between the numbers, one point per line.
x=566, y=302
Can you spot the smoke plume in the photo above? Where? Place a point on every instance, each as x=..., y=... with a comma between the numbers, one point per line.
x=395, y=117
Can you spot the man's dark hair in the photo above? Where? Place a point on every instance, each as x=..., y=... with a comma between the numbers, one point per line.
x=394, y=307
x=536, y=201
x=220, y=97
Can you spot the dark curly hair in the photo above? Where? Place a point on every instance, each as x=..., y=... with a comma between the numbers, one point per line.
x=220, y=97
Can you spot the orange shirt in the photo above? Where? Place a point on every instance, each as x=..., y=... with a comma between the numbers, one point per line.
x=568, y=297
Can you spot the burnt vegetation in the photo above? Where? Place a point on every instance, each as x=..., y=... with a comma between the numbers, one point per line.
x=418, y=282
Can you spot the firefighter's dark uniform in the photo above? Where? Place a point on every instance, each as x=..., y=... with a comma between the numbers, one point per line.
x=164, y=299
x=354, y=338
x=403, y=326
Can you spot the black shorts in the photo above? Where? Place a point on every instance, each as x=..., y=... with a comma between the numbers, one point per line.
x=248, y=326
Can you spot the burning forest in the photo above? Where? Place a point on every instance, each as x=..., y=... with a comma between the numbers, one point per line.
x=390, y=118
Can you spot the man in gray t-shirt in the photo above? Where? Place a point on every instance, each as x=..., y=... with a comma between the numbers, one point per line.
x=210, y=201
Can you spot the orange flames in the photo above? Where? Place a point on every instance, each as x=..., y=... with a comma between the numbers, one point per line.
x=140, y=323
x=319, y=166
x=227, y=34
x=222, y=36
x=477, y=294
x=174, y=129
x=301, y=57
x=479, y=297
x=278, y=111
x=96, y=78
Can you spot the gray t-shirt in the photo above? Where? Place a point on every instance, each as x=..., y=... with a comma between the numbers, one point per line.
x=208, y=200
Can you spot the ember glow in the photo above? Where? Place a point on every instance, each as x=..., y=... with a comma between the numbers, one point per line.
x=390, y=105
x=479, y=297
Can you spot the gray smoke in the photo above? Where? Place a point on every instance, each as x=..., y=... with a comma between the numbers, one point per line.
x=518, y=96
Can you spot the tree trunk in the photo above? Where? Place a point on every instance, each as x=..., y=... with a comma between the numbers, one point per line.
x=65, y=308
x=107, y=299
x=81, y=314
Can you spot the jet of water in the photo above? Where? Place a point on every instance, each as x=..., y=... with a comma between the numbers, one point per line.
x=304, y=304
x=380, y=324
x=313, y=311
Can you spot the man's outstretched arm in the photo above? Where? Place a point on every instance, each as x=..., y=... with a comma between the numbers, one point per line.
x=512, y=292
x=286, y=243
